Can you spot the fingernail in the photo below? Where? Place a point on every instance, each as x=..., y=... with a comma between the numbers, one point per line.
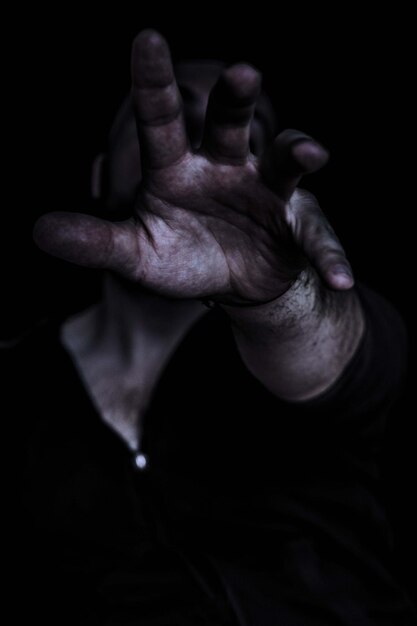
x=342, y=269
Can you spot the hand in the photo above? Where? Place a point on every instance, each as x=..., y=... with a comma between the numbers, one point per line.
x=217, y=222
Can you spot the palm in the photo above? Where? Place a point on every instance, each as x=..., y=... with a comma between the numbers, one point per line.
x=206, y=224
x=201, y=236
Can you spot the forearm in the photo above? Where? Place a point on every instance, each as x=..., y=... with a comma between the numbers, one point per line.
x=298, y=345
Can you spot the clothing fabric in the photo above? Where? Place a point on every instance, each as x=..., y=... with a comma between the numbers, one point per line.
x=251, y=511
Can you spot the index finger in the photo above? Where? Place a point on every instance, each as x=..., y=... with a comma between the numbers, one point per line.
x=157, y=102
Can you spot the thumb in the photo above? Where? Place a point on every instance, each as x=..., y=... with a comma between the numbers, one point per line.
x=89, y=241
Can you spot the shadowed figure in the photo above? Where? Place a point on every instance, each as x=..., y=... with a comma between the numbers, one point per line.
x=211, y=465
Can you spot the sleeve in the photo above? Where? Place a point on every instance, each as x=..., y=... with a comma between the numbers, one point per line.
x=351, y=414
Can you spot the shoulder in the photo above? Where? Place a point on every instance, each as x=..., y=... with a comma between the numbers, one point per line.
x=30, y=365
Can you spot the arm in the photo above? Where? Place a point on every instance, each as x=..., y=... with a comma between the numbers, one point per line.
x=219, y=223
x=299, y=344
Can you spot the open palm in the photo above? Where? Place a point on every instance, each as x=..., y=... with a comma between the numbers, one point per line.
x=216, y=222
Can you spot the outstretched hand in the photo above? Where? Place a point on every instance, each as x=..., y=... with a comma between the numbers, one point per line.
x=214, y=223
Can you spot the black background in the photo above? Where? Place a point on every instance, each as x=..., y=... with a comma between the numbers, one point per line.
x=339, y=75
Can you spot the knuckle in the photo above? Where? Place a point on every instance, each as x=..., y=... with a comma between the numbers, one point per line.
x=305, y=200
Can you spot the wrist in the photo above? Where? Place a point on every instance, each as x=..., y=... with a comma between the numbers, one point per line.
x=302, y=298
x=299, y=344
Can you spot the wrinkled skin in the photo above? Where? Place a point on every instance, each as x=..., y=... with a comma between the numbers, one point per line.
x=214, y=222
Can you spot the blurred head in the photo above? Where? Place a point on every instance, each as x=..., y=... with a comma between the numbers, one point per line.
x=116, y=175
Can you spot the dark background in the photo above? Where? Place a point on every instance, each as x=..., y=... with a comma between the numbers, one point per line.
x=342, y=77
